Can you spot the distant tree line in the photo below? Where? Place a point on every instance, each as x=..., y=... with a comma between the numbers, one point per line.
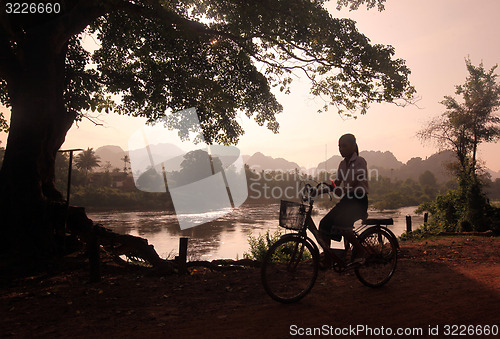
x=110, y=189
x=385, y=193
x=114, y=188
x=493, y=190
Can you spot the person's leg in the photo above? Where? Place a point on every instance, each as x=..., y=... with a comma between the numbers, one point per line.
x=325, y=229
x=344, y=218
x=353, y=210
x=351, y=237
x=329, y=220
x=328, y=230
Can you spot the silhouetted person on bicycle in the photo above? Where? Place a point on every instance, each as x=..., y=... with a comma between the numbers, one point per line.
x=353, y=174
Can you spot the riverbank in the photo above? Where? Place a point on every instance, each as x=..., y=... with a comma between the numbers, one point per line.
x=223, y=238
x=440, y=281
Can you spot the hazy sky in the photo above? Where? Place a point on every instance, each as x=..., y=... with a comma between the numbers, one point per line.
x=434, y=37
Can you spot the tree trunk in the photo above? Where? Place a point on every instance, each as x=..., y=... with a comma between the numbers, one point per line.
x=474, y=153
x=39, y=123
x=32, y=210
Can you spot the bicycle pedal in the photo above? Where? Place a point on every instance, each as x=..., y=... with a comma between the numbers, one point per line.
x=360, y=261
x=357, y=262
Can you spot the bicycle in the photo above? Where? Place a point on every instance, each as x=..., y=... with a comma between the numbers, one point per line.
x=291, y=265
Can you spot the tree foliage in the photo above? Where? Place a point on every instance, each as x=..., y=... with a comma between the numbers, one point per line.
x=87, y=161
x=465, y=125
x=462, y=128
x=126, y=163
x=156, y=57
x=354, y=4
x=427, y=179
x=222, y=57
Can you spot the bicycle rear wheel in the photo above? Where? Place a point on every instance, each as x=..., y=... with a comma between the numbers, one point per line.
x=290, y=269
x=380, y=263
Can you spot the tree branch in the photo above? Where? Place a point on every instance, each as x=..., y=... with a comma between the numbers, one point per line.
x=78, y=18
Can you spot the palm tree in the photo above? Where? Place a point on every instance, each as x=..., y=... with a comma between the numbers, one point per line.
x=126, y=160
x=86, y=161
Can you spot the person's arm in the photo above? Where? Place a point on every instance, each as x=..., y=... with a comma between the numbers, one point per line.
x=335, y=183
x=338, y=179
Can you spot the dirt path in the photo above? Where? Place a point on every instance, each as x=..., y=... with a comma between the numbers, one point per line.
x=454, y=281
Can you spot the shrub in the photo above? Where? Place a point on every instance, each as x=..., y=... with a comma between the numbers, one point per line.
x=445, y=212
x=422, y=232
x=462, y=210
x=260, y=244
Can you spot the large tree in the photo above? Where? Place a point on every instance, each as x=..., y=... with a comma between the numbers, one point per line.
x=465, y=125
x=222, y=57
x=469, y=122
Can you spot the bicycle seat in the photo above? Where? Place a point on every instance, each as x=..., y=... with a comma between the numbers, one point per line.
x=371, y=221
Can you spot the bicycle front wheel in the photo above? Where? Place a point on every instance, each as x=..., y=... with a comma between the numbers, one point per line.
x=380, y=262
x=290, y=269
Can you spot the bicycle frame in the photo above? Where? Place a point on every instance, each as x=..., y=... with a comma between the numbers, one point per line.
x=290, y=266
x=311, y=226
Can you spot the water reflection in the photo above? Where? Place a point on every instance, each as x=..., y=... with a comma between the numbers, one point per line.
x=226, y=237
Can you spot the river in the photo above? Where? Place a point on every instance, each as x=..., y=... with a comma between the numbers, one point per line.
x=225, y=237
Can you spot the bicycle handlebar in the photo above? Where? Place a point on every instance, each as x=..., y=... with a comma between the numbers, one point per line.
x=311, y=192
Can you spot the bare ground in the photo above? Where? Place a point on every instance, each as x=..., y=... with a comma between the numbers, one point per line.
x=452, y=280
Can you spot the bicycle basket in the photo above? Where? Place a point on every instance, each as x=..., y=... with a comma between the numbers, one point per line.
x=292, y=215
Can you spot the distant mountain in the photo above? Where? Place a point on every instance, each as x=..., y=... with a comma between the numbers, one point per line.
x=374, y=159
x=260, y=162
x=385, y=162
x=110, y=153
x=245, y=158
x=114, y=154
x=159, y=153
x=389, y=166
x=494, y=175
x=437, y=164
x=331, y=164
x=377, y=159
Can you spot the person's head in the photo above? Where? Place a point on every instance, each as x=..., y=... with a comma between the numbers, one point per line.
x=348, y=145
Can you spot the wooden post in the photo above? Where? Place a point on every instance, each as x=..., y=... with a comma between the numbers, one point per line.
x=70, y=164
x=426, y=217
x=62, y=232
x=408, y=223
x=92, y=242
x=182, y=258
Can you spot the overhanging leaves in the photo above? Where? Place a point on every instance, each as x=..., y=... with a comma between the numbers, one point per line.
x=222, y=57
